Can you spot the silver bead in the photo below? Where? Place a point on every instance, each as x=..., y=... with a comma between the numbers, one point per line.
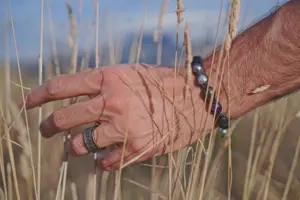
x=197, y=69
x=223, y=132
x=202, y=79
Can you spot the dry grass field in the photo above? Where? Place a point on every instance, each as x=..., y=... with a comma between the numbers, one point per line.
x=259, y=160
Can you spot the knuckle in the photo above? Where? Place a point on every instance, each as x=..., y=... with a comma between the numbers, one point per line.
x=117, y=103
x=58, y=119
x=54, y=86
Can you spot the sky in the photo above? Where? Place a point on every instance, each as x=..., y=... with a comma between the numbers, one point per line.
x=116, y=19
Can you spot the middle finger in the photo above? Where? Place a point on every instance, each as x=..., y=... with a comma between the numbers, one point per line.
x=72, y=116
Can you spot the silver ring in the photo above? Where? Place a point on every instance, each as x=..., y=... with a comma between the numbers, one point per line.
x=89, y=141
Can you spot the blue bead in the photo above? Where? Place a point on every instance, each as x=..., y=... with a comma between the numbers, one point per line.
x=216, y=108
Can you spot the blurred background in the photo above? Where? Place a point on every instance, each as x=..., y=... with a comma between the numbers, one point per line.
x=264, y=146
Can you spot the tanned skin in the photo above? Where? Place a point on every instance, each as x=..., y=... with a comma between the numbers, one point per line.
x=268, y=53
x=135, y=102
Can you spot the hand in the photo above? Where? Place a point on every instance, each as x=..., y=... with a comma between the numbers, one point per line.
x=132, y=103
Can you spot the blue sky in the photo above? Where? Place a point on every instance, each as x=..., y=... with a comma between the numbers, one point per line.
x=123, y=16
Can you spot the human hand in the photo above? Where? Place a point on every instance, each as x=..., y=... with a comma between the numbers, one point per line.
x=132, y=103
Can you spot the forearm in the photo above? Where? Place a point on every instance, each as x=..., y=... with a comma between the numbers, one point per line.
x=268, y=53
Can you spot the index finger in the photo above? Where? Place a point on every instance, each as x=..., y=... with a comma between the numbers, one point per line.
x=66, y=86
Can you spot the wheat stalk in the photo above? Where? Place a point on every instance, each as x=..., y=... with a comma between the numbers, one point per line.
x=40, y=108
x=53, y=41
x=189, y=58
x=292, y=170
x=9, y=182
x=274, y=150
x=11, y=157
x=250, y=157
x=23, y=96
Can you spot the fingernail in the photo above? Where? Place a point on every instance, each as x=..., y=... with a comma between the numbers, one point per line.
x=44, y=129
x=108, y=169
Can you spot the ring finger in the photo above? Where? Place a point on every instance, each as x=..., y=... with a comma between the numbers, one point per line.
x=103, y=136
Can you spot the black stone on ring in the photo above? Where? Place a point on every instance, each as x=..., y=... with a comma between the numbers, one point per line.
x=88, y=139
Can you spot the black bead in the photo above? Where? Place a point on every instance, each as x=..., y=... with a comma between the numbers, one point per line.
x=197, y=59
x=203, y=87
x=223, y=122
x=209, y=93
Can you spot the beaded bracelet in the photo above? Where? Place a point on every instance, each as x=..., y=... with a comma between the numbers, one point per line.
x=202, y=80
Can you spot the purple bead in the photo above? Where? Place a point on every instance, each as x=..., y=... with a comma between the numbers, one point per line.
x=216, y=107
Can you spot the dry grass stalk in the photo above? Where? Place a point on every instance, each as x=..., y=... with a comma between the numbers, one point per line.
x=51, y=195
x=158, y=33
x=144, y=187
x=2, y=164
x=141, y=34
x=274, y=150
x=256, y=158
x=59, y=190
x=180, y=171
x=133, y=50
x=23, y=97
x=119, y=174
x=2, y=196
x=97, y=35
x=53, y=41
x=11, y=155
x=157, y=38
x=7, y=72
x=73, y=38
x=213, y=173
x=189, y=58
x=74, y=191
x=89, y=186
x=26, y=174
x=233, y=19
x=112, y=52
x=170, y=155
x=292, y=170
x=3, y=174
x=24, y=167
x=64, y=180
x=234, y=16
x=250, y=157
x=179, y=11
x=73, y=44
x=103, y=188
x=95, y=177
x=195, y=171
x=9, y=181
x=40, y=108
